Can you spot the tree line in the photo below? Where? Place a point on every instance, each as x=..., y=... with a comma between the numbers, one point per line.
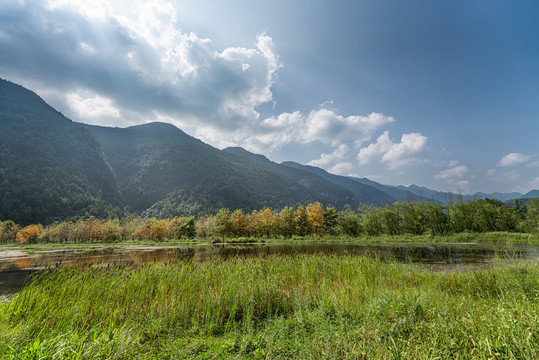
x=400, y=218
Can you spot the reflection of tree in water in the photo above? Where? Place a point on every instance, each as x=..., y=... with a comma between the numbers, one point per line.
x=16, y=269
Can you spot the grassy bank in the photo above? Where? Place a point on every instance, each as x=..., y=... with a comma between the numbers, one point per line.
x=468, y=237
x=275, y=307
x=483, y=238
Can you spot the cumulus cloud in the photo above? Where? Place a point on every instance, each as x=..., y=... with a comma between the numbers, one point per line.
x=343, y=168
x=409, y=150
x=513, y=159
x=327, y=159
x=144, y=66
x=102, y=68
x=92, y=107
x=327, y=126
x=454, y=174
x=324, y=125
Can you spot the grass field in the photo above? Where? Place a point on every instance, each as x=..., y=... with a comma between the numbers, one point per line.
x=276, y=307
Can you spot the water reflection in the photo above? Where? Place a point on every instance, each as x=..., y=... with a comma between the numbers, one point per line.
x=15, y=267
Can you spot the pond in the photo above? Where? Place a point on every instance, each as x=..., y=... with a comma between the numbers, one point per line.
x=16, y=266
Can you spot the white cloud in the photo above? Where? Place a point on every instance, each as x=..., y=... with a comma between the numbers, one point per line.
x=143, y=68
x=97, y=9
x=327, y=159
x=409, y=150
x=327, y=126
x=343, y=168
x=382, y=145
x=491, y=172
x=453, y=174
x=513, y=159
x=92, y=107
x=533, y=164
x=145, y=65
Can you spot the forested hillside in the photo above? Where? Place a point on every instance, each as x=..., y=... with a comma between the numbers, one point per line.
x=162, y=172
x=50, y=168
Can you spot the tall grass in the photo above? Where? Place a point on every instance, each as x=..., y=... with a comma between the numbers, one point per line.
x=307, y=306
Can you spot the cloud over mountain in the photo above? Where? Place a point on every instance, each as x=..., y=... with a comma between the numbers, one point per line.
x=133, y=67
x=410, y=149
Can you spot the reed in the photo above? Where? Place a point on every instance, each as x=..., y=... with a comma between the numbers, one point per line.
x=304, y=306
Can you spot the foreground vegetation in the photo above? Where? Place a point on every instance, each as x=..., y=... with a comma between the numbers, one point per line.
x=310, y=306
x=400, y=219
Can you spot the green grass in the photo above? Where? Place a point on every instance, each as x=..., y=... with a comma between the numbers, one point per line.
x=278, y=307
x=486, y=238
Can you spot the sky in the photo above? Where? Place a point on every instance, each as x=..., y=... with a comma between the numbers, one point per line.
x=443, y=94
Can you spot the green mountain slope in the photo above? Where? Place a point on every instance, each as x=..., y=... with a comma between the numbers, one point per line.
x=363, y=193
x=50, y=167
x=531, y=195
x=330, y=193
x=162, y=171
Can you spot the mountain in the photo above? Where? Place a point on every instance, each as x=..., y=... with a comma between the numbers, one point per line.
x=531, y=195
x=162, y=171
x=50, y=167
x=497, y=195
x=397, y=193
x=421, y=193
x=333, y=194
x=363, y=193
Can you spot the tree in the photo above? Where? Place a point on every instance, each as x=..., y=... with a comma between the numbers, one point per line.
x=371, y=220
x=8, y=231
x=203, y=226
x=414, y=220
x=267, y=221
x=315, y=217
x=223, y=223
x=302, y=221
x=239, y=224
x=184, y=227
x=331, y=218
x=29, y=234
x=287, y=223
x=349, y=223
x=437, y=218
x=391, y=218
x=532, y=215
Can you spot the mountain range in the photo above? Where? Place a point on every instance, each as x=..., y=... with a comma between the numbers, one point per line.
x=52, y=168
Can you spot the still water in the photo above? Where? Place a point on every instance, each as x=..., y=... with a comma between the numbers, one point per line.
x=15, y=266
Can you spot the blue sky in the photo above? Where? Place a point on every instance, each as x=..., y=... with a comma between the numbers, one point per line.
x=443, y=94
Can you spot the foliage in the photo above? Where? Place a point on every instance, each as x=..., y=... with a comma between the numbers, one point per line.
x=29, y=234
x=8, y=231
x=478, y=216
x=350, y=223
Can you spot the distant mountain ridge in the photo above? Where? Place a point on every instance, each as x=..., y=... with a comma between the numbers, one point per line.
x=52, y=168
